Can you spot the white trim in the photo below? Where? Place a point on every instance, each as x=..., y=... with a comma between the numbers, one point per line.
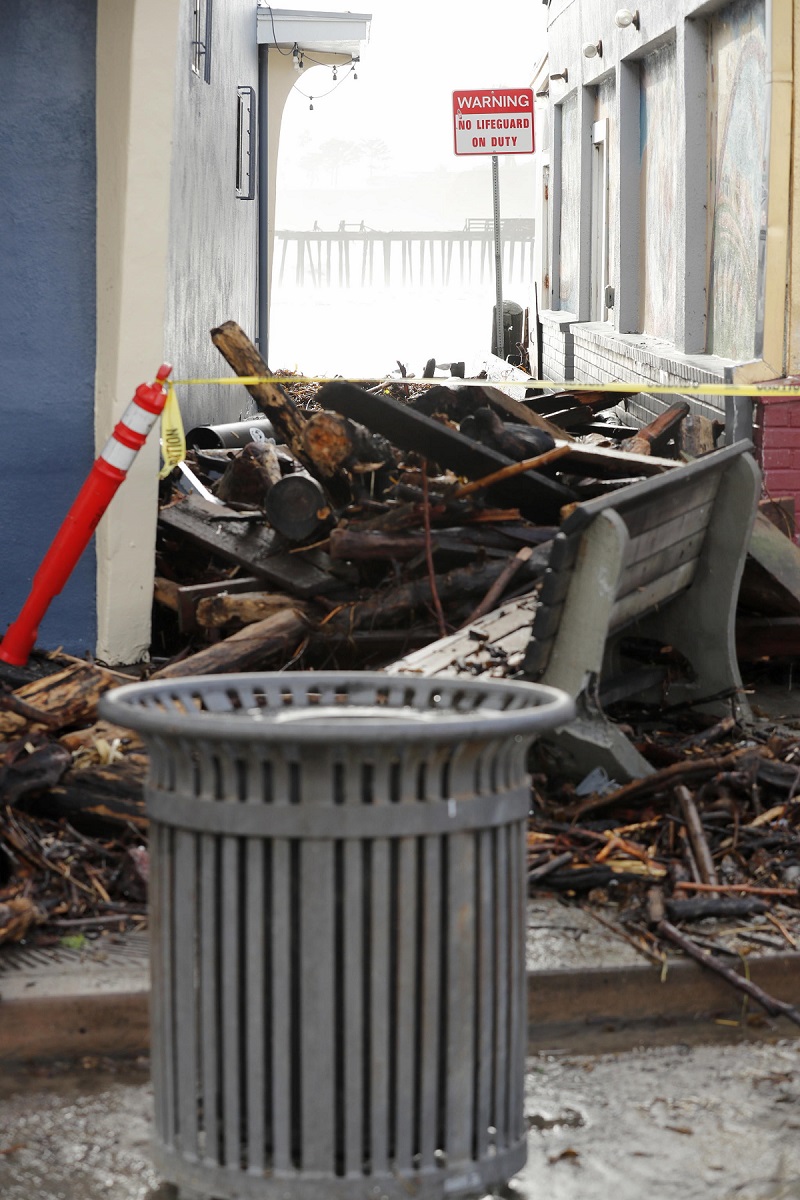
x=598, y=309
x=137, y=48
x=331, y=32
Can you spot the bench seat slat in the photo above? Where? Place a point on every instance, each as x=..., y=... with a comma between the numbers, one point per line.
x=648, y=597
x=697, y=493
x=663, y=560
x=507, y=631
x=668, y=533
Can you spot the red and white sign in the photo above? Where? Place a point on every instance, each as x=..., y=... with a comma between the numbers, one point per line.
x=493, y=121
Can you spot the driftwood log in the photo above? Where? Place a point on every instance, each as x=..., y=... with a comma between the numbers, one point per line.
x=250, y=647
x=655, y=437
x=239, y=352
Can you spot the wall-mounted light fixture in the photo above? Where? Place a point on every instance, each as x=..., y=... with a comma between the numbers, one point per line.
x=561, y=75
x=624, y=17
x=593, y=49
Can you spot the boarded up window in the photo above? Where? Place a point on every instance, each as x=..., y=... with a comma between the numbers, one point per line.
x=570, y=206
x=658, y=192
x=738, y=98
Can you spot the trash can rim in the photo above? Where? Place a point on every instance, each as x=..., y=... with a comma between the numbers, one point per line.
x=323, y=724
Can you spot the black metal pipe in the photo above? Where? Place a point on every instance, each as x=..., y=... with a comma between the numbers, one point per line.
x=231, y=436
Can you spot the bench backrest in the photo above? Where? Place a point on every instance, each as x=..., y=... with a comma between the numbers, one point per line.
x=666, y=518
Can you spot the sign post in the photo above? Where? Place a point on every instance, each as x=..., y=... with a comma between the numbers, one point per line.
x=494, y=121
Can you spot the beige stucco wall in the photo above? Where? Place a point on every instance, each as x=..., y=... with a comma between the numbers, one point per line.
x=138, y=47
x=136, y=50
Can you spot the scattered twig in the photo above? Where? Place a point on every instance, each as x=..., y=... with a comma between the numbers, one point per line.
x=775, y=1008
x=560, y=860
x=665, y=780
x=685, y=885
x=517, y=468
x=657, y=959
x=694, y=827
x=426, y=515
x=500, y=584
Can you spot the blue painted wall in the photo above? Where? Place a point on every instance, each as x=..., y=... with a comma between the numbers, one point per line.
x=47, y=298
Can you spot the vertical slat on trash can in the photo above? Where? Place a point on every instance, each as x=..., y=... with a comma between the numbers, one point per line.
x=485, y=977
x=255, y=979
x=281, y=1033
x=160, y=969
x=502, y=984
x=432, y=1064
x=185, y=990
x=516, y=1057
x=317, y=987
x=231, y=1001
x=405, y=924
x=460, y=882
x=373, y=783
x=209, y=984
x=353, y=982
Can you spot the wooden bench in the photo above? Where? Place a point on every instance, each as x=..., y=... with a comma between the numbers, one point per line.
x=650, y=566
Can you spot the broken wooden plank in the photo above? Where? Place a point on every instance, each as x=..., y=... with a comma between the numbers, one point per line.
x=608, y=462
x=494, y=645
x=64, y=698
x=515, y=411
x=656, y=436
x=253, y=646
x=245, y=607
x=771, y=580
x=767, y=637
x=240, y=353
x=252, y=546
x=537, y=496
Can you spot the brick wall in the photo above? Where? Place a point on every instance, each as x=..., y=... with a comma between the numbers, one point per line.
x=588, y=353
x=557, y=347
x=777, y=439
x=600, y=357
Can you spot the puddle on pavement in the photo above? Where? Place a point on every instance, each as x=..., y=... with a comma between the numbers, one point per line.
x=675, y=1123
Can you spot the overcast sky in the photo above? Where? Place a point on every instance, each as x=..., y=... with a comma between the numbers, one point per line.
x=419, y=51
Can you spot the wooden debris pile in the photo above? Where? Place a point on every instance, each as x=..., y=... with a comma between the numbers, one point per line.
x=73, y=855
x=703, y=855
x=62, y=883
x=376, y=522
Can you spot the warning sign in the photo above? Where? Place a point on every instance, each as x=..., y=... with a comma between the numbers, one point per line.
x=493, y=121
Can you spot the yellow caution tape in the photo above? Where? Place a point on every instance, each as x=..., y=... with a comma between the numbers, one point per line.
x=787, y=391
x=173, y=438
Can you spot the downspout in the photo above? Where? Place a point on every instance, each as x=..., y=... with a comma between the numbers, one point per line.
x=263, y=264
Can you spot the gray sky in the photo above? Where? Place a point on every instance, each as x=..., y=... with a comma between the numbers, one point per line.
x=419, y=51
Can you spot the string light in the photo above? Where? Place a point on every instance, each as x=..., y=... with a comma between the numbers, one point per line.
x=337, y=81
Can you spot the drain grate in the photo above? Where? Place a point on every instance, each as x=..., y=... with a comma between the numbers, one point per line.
x=101, y=954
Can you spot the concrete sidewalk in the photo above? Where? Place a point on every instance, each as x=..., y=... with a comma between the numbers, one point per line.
x=588, y=990
x=630, y=1087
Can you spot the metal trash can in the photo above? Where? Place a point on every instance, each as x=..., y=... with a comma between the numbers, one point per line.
x=513, y=317
x=337, y=923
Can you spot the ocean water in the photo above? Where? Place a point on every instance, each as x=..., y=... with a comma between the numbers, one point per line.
x=365, y=331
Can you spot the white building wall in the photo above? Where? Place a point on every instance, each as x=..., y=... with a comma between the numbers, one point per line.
x=687, y=98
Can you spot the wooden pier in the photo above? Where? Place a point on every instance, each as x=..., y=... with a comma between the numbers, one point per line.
x=355, y=256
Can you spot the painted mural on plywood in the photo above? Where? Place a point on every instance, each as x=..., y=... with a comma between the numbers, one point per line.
x=658, y=193
x=738, y=118
x=570, y=206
